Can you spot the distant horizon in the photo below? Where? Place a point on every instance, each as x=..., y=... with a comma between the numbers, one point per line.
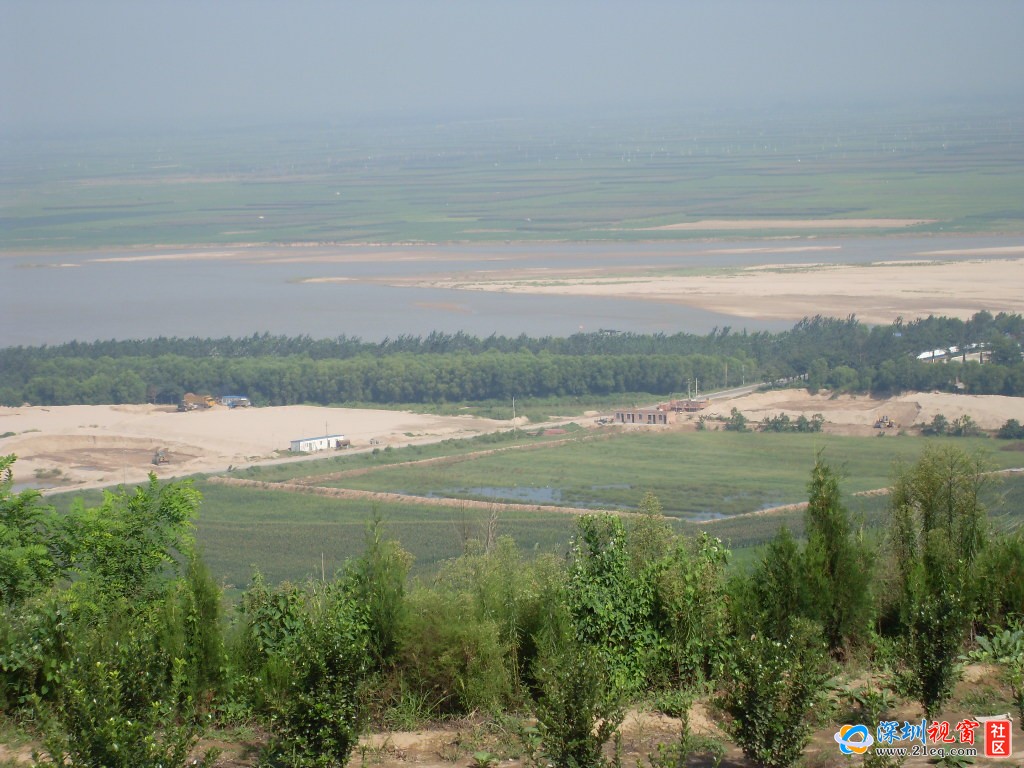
x=426, y=117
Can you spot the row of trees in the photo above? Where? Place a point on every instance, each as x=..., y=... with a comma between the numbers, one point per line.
x=840, y=355
x=114, y=642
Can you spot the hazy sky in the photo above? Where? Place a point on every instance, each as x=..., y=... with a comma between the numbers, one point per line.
x=100, y=64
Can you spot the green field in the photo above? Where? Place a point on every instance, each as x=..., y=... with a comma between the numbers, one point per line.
x=696, y=475
x=513, y=180
x=693, y=474
x=286, y=534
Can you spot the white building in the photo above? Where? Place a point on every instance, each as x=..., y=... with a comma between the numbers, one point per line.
x=325, y=443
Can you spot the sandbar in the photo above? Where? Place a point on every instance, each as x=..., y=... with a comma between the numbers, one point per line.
x=739, y=225
x=876, y=293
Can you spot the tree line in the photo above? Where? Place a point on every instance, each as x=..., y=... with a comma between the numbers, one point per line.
x=117, y=649
x=839, y=355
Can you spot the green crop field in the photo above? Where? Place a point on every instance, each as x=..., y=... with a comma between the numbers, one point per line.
x=512, y=180
x=285, y=535
x=696, y=475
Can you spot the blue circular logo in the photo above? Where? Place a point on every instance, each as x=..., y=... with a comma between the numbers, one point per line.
x=854, y=739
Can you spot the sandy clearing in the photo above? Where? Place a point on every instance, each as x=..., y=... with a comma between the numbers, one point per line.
x=860, y=412
x=97, y=445
x=875, y=293
x=733, y=225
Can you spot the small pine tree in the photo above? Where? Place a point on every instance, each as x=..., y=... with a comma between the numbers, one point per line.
x=838, y=566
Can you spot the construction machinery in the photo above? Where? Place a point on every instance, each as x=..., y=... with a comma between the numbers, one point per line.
x=192, y=402
x=885, y=422
x=160, y=457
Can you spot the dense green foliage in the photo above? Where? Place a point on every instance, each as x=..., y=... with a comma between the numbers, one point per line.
x=839, y=563
x=841, y=355
x=635, y=610
x=113, y=641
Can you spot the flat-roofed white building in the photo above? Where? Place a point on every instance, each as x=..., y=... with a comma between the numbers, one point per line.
x=325, y=443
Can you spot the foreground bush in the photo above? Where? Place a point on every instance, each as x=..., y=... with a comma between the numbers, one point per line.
x=774, y=686
x=451, y=661
x=319, y=713
x=579, y=707
x=116, y=706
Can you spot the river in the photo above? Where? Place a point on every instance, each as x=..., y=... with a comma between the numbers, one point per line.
x=57, y=297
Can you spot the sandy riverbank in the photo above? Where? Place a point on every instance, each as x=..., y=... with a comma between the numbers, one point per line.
x=745, y=225
x=875, y=293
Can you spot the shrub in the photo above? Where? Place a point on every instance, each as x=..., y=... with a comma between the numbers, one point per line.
x=319, y=715
x=516, y=593
x=116, y=705
x=737, y=422
x=34, y=643
x=377, y=580
x=939, y=530
x=772, y=690
x=838, y=564
x=690, y=610
x=775, y=594
x=191, y=629
x=938, y=426
x=450, y=658
x=1011, y=430
x=609, y=602
x=999, y=584
x=579, y=705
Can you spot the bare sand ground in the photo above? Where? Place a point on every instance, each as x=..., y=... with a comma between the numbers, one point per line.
x=99, y=445
x=875, y=293
x=740, y=225
x=856, y=414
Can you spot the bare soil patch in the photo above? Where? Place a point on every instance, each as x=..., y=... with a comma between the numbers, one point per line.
x=857, y=414
x=98, y=445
